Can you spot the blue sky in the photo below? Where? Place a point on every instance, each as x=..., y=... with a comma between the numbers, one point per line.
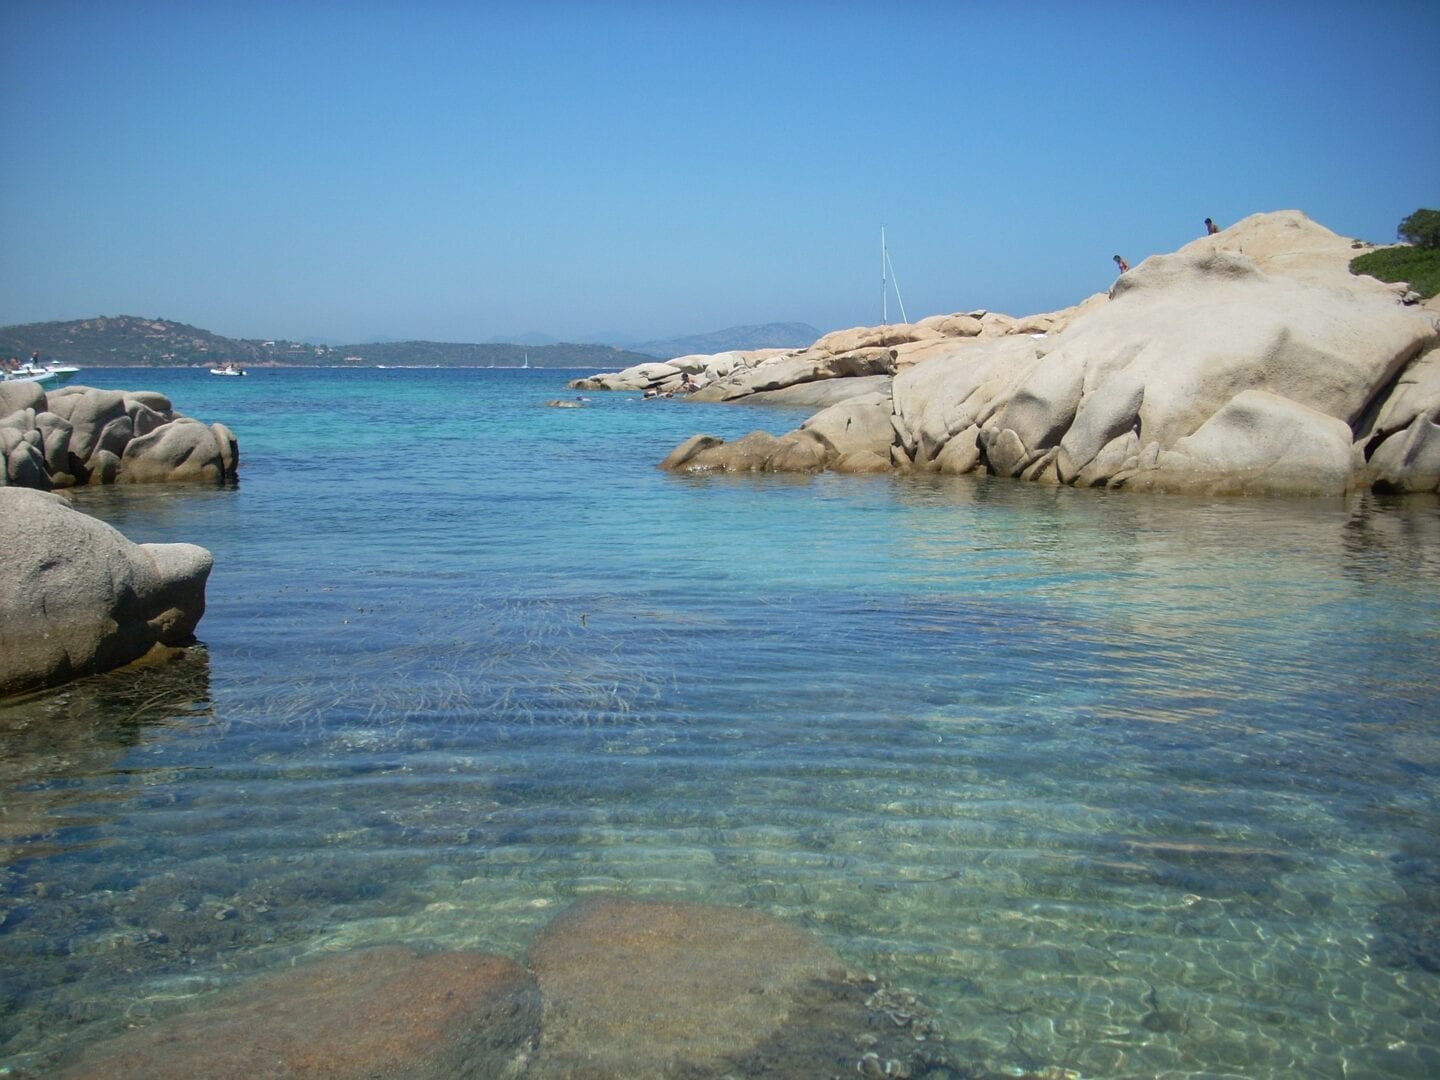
x=470, y=171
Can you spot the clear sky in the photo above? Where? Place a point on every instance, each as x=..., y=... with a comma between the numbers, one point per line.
x=467, y=171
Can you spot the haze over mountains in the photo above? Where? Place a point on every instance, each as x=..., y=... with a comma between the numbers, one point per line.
x=790, y=335
x=132, y=341
x=786, y=335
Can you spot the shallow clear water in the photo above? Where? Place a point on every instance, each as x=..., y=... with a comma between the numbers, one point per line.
x=1130, y=785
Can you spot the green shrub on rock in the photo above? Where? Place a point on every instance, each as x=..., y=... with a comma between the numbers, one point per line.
x=1422, y=228
x=1417, y=265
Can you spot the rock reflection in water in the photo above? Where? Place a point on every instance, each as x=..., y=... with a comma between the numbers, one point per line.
x=58, y=741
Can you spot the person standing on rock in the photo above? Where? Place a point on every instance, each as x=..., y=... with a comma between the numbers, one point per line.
x=1122, y=266
x=1210, y=227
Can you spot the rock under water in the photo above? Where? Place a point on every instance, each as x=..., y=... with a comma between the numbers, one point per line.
x=383, y=1012
x=616, y=989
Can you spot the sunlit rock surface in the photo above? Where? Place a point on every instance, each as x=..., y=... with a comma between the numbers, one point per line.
x=78, y=435
x=1247, y=362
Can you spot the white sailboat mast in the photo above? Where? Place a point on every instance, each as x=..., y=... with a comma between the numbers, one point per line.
x=884, y=285
x=887, y=278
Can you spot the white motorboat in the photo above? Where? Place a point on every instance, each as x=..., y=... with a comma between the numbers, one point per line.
x=44, y=374
x=227, y=369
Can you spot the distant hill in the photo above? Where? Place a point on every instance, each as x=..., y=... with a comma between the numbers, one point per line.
x=532, y=338
x=131, y=341
x=789, y=335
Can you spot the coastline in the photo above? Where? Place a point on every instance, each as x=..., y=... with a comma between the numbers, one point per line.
x=1248, y=362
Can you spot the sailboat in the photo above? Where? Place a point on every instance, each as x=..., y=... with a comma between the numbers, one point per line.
x=526, y=364
x=887, y=267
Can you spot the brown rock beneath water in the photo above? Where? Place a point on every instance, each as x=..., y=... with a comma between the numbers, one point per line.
x=383, y=1012
x=636, y=989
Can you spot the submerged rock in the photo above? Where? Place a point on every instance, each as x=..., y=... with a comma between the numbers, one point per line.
x=77, y=597
x=51, y=738
x=384, y=1012
x=675, y=989
x=647, y=988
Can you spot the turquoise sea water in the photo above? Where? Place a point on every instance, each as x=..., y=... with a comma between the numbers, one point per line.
x=1132, y=786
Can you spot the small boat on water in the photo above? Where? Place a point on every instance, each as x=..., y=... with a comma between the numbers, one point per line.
x=43, y=374
x=227, y=369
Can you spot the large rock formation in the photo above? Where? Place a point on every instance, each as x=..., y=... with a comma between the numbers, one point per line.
x=840, y=365
x=1251, y=361
x=77, y=435
x=76, y=597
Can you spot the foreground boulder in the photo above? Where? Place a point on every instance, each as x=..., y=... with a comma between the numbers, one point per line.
x=1248, y=362
x=76, y=597
x=616, y=989
x=375, y=1013
x=677, y=989
x=78, y=435
x=625, y=982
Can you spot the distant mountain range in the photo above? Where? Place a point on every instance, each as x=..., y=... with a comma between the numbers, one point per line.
x=131, y=341
x=790, y=335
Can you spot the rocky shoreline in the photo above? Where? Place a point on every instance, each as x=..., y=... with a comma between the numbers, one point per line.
x=1247, y=362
